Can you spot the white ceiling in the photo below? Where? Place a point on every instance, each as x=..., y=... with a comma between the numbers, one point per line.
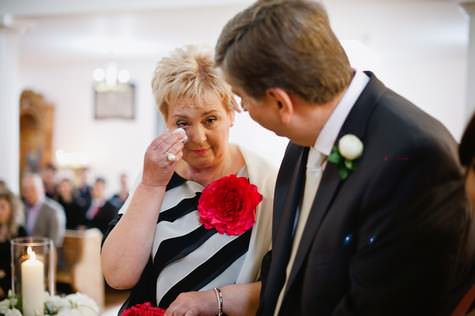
x=59, y=7
x=145, y=29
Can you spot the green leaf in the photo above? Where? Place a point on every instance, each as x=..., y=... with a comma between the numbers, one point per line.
x=335, y=156
x=349, y=164
x=344, y=173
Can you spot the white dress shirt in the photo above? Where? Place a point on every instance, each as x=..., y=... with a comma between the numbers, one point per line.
x=32, y=215
x=316, y=163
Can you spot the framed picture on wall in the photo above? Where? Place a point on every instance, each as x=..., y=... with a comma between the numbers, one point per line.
x=114, y=102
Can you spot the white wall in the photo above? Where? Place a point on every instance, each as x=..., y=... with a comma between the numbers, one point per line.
x=110, y=146
x=9, y=111
x=418, y=48
x=435, y=84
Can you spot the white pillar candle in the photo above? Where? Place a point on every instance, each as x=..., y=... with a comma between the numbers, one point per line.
x=32, y=285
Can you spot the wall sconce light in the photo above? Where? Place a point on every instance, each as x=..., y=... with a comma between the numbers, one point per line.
x=111, y=75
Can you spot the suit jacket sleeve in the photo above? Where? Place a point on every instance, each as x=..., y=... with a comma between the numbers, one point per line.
x=57, y=224
x=413, y=216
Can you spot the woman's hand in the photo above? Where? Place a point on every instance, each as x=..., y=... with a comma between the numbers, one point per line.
x=161, y=158
x=238, y=300
x=194, y=304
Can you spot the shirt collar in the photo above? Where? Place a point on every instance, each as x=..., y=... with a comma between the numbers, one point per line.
x=36, y=207
x=332, y=127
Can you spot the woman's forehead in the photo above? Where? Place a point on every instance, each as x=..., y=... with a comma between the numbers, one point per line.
x=188, y=106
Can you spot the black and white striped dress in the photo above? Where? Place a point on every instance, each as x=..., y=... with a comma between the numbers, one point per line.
x=187, y=257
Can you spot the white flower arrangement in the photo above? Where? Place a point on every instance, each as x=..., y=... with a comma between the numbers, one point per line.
x=344, y=156
x=70, y=305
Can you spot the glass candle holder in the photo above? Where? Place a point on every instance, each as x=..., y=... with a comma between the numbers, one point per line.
x=33, y=262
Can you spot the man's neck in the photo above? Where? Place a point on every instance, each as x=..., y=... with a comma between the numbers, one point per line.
x=310, y=120
x=37, y=203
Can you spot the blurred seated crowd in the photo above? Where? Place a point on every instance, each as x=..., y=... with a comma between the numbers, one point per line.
x=50, y=203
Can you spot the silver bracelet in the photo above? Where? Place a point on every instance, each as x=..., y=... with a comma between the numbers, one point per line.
x=219, y=300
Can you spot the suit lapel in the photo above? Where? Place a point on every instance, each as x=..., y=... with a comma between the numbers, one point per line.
x=38, y=225
x=288, y=193
x=331, y=182
x=327, y=191
x=291, y=180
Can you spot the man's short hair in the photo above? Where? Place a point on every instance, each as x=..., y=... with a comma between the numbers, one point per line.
x=284, y=44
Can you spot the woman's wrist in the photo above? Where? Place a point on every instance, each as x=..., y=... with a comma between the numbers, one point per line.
x=151, y=188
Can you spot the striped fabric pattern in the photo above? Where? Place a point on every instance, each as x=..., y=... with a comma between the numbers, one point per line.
x=209, y=260
x=185, y=255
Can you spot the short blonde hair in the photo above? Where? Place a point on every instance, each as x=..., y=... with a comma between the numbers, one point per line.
x=189, y=72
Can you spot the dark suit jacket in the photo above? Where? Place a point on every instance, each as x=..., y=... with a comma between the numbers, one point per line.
x=385, y=241
x=75, y=214
x=103, y=217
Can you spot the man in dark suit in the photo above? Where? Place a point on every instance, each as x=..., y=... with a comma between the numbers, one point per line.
x=101, y=211
x=84, y=189
x=370, y=216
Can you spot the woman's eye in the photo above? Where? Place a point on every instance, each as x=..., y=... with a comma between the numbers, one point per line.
x=181, y=123
x=211, y=120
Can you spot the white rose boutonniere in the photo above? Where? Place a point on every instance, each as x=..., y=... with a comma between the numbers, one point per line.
x=344, y=156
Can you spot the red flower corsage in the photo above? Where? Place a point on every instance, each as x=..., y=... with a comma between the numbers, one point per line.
x=229, y=205
x=145, y=309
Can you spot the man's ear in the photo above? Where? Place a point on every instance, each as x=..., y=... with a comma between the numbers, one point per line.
x=283, y=103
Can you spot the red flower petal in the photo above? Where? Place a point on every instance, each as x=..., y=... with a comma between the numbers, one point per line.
x=145, y=309
x=229, y=205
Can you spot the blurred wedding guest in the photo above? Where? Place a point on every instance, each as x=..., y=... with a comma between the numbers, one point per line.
x=467, y=158
x=84, y=189
x=3, y=186
x=67, y=197
x=101, y=211
x=162, y=247
x=119, y=198
x=20, y=212
x=9, y=229
x=44, y=216
x=48, y=175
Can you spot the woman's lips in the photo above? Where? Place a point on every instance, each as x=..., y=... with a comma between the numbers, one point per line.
x=200, y=152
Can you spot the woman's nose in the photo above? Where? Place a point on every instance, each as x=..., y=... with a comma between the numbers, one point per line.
x=196, y=134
